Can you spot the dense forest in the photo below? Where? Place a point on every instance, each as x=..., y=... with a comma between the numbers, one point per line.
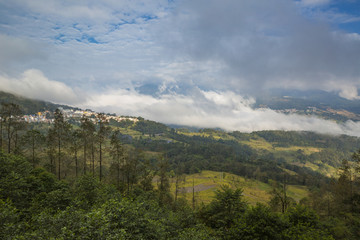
x=95, y=179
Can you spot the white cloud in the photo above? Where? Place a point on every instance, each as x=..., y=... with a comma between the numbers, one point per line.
x=33, y=84
x=18, y=50
x=231, y=46
x=225, y=110
x=314, y=2
x=199, y=108
x=263, y=44
x=349, y=92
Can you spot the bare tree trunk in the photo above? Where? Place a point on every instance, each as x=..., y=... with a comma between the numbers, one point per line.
x=118, y=175
x=84, y=157
x=285, y=200
x=76, y=162
x=59, y=158
x=16, y=140
x=93, y=159
x=193, y=194
x=1, y=133
x=9, y=135
x=33, y=151
x=100, y=161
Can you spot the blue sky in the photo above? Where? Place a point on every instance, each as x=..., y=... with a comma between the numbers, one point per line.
x=343, y=14
x=194, y=54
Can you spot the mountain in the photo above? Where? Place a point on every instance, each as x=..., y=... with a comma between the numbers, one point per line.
x=156, y=165
x=30, y=106
x=327, y=105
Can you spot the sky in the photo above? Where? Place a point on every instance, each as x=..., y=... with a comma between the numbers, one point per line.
x=189, y=62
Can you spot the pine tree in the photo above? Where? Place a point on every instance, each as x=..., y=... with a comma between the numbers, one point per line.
x=118, y=155
x=164, y=183
x=10, y=117
x=102, y=133
x=34, y=139
x=75, y=146
x=87, y=130
x=61, y=130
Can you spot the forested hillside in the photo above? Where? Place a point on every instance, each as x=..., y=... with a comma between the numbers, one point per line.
x=35, y=205
x=29, y=106
x=94, y=178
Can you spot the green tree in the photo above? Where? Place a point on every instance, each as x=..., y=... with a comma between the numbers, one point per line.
x=117, y=153
x=10, y=116
x=51, y=150
x=88, y=130
x=87, y=191
x=163, y=182
x=343, y=189
x=9, y=219
x=280, y=201
x=179, y=181
x=33, y=139
x=258, y=222
x=132, y=167
x=102, y=133
x=75, y=139
x=147, y=175
x=226, y=208
x=61, y=130
x=304, y=224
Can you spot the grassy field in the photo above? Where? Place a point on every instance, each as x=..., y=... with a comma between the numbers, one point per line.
x=206, y=182
x=262, y=144
x=212, y=134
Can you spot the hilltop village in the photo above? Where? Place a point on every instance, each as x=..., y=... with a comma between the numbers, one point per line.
x=74, y=114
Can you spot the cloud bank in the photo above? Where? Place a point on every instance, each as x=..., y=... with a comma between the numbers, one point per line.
x=210, y=109
x=198, y=108
x=33, y=84
x=266, y=44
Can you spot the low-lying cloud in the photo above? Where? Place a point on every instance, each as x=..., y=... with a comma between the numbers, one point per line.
x=204, y=109
x=210, y=109
x=33, y=84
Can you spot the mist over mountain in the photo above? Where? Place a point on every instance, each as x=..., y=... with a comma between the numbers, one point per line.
x=245, y=119
x=201, y=64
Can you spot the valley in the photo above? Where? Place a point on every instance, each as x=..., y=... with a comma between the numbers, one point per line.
x=80, y=158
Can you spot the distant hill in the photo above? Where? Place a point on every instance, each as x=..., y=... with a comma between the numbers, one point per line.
x=30, y=106
x=324, y=104
x=327, y=105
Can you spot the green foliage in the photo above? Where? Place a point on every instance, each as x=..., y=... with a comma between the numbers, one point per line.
x=30, y=106
x=305, y=224
x=11, y=125
x=89, y=209
x=226, y=207
x=124, y=202
x=259, y=222
x=9, y=219
x=86, y=191
x=150, y=127
x=163, y=183
x=14, y=179
x=32, y=142
x=198, y=232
